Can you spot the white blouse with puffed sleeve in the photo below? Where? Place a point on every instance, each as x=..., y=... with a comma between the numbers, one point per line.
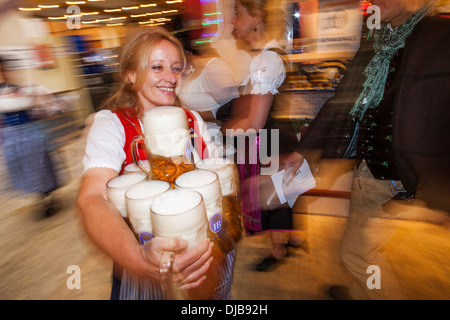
x=267, y=72
x=106, y=139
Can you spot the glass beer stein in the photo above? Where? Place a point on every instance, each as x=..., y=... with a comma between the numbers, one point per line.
x=207, y=184
x=229, y=183
x=167, y=141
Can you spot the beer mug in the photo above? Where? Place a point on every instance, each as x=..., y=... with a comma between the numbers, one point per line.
x=118, y=186
x=167, y=140
x=133, y=167
x=180, y=214
x=138, y=200
x=207, y=184
x=229, y=183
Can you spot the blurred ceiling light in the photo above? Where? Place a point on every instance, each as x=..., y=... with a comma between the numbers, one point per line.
x=57, y=18
x=89, y=22
x=154, y=13
x=48, y=6
x=138, y=15
x=112, y=10
x=75, y=2
x=89, y=13
x=29, y=9
x=174, y=1
x=114, y=24
x=170, y=11
x=130, y=8
x=160, y=19
x=154, y=24
x=148, y=5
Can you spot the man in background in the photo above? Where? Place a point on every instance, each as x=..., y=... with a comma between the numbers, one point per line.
x=391, y=115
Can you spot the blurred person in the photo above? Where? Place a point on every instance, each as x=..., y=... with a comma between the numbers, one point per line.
x=26, y=146
x=390, y=114
x=207, y=87
x=260, y=23
x=151, y=66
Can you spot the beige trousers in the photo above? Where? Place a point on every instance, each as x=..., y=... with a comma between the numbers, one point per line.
x=369, y=228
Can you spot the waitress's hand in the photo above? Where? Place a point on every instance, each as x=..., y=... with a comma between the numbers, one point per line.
x=294, y=161
x=189, y=267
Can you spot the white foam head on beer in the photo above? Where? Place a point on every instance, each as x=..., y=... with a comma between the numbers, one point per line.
x=133, y=167
x=138, y=200
x=207, y=183
x=166, y=131
x=179, y=213
x=117, y=187
x=225, y=170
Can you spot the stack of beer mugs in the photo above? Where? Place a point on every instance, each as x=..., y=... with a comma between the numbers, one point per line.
x=208, y=185
x=138, y=200
x=229, y=183
x=168, y=144
x=168, y=196
x=117, y=187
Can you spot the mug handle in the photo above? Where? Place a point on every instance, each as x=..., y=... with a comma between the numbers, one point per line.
x=173, y=292
x=135, y=154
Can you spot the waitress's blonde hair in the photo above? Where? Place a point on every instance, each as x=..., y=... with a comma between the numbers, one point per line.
x=134, y=60
x=272, y=15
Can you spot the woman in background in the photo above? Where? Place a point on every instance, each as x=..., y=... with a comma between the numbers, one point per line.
x=260, y=23
x=208, y=85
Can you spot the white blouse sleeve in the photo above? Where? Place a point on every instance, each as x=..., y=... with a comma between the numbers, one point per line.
x=219, y=82
x=105, y=142
x=267, y=73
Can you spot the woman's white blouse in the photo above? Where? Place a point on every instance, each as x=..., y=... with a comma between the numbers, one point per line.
x=106, y=140
x=213, y=88
x=267, y=72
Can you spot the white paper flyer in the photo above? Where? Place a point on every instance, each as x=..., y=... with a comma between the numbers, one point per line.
x=288, y=188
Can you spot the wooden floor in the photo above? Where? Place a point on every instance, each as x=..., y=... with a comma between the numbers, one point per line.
x=37, y=252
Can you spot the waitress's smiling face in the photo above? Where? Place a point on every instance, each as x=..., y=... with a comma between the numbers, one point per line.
x=165, y=66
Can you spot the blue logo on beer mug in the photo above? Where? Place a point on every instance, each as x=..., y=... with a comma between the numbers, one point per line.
x=144, y=237
x=215, y=223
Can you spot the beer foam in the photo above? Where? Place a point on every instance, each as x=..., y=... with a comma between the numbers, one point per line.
x=225, y=170
x=207, y=184
x=126, y=180
x=166, y=131
x=213, y=163
x=132, y=167
x=164, y=119
x=195, y=178
x=175, y=201
x=147, y=189
x=172, y=143
x=117, y=187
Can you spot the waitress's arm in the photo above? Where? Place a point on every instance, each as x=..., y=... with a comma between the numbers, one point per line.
x=104, y=224
x=249, y=112
x=107, y=229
